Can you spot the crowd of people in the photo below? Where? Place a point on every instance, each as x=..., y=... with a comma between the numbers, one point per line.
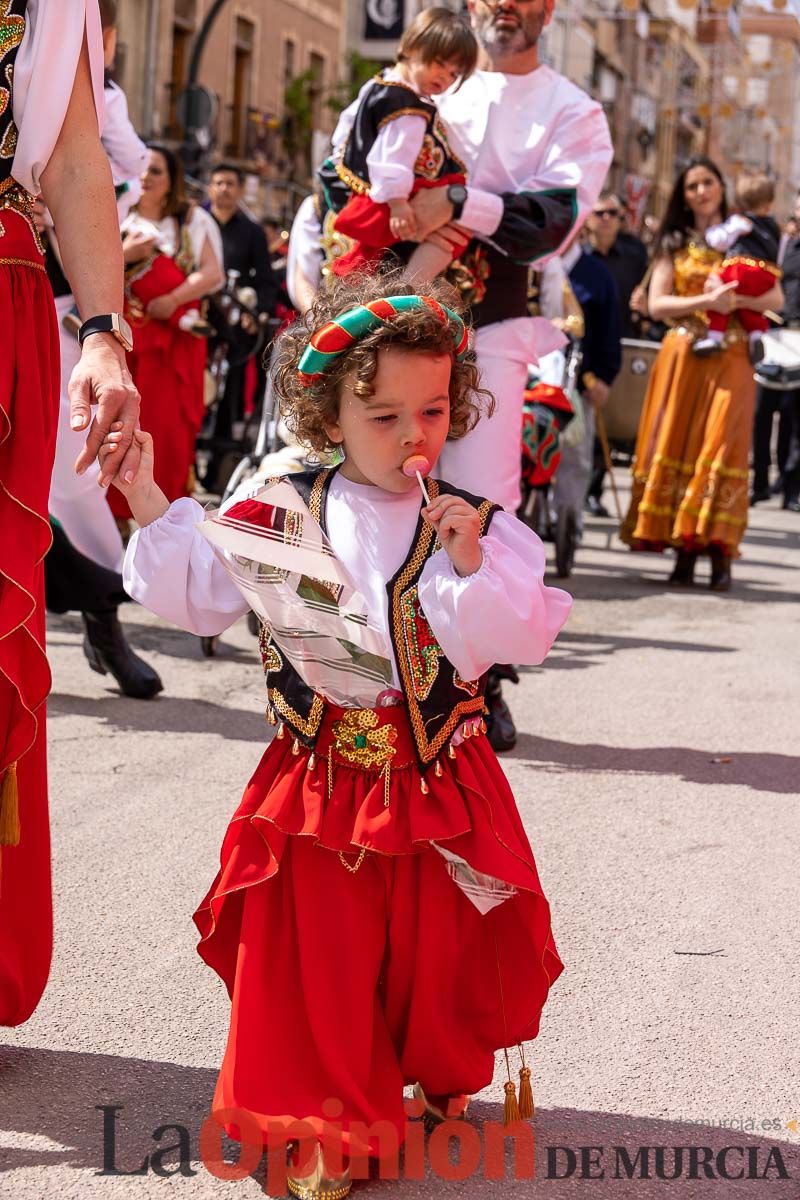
x=438, y=205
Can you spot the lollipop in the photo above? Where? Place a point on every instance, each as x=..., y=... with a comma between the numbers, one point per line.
x=417, y=464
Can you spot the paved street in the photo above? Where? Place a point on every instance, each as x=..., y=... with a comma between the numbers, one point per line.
x=657, y=775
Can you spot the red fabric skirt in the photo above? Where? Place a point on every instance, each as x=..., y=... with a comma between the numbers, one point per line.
x=29, y=390
x=167, y=366
x=750, y=280
x=367, y=223
x=351, y=979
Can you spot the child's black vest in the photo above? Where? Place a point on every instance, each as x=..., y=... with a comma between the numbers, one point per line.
x=438, y=698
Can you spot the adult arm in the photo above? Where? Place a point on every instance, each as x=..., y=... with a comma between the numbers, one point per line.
x=263, y=277
x=772, y=300
x=665, y=306
x=77, y=188
x=535, y=222
x=207, y=277
x=305, y=258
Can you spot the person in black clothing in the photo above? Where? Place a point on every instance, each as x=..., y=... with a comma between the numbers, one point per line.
x=768, y=401
x=596, y=292
x=625, y=255
x=245, y=250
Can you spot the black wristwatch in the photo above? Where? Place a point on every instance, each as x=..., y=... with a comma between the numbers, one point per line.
x=113, y=323
x=457, y=195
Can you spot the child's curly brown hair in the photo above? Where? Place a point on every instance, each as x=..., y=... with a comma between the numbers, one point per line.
x=307, y=409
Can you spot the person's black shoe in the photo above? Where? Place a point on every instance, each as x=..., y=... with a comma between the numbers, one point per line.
x=720, y=570
x=683, y=571
x=792, y=505
x=757, y=497
x=755, y=350
x=595, y=506
x=706, y=346
x=107, y=652
x=500, y=728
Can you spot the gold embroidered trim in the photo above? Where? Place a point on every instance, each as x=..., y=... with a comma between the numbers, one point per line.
x=21, y=262
x=14, y=198
x=687, y=468
x=427, y=749
x=725, y=518
x=307, y=726
x=317, y=492
x=404, y=112
x=354, y=182
x=746, y=261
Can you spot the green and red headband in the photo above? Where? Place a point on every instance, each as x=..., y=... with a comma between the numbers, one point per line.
x=338, y=336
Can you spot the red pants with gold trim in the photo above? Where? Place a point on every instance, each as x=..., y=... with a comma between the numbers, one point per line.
x=367, y=223
x=750, y=281
x=348, y=984
x=29, y=388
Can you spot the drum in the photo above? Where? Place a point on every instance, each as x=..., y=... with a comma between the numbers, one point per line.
x=629, y=389
x=779, y=369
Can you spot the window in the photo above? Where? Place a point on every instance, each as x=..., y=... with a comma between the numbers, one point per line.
x=242, y=79
x=316, y=65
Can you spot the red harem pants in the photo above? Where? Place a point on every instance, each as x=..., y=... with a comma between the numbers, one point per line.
x=751, y=280
x=29, y=390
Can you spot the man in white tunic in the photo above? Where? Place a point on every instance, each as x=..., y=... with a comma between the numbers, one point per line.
x=537, y=151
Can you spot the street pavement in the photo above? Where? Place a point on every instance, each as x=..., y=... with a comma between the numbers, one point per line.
x=657, y=773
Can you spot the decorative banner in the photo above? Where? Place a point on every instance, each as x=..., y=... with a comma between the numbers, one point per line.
x=383, y=20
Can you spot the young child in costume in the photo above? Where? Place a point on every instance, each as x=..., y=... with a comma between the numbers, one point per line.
x=749, y=240
x=355, y=963
x=397, y=143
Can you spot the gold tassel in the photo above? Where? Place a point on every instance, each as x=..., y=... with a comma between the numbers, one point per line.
x=9, y=808
x=387, y=784
x=510, y=1108
x=466, y=730
x=423, y=786
x=312, y=761
x=281, y=731
x=475, y=728
x=330, y=773
x=437, y=770
x=295, y=747
x=451, y=751
x=271, y=716
x=526, y=1109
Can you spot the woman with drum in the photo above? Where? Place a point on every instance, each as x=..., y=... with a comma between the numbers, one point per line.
x=690, y=473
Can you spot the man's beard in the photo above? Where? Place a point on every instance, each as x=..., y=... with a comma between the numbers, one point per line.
x=510, y=41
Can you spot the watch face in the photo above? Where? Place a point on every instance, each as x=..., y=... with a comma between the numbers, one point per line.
x=122, y=331
x=457, y=193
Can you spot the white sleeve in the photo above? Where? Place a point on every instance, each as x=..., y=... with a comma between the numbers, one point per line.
x=44, y=76
x=503, y=613
x=392, y=157
x=126, y=151
x=203, y=228
x=305, y=250
x=577, y=161
x=171, y=569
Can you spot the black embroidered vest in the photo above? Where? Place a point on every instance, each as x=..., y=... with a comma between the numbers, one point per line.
x=12, y=27
x=383, y=103
x=438, y=699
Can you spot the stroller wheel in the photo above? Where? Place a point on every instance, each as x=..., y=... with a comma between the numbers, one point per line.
x=208, y=645
x=566, y=537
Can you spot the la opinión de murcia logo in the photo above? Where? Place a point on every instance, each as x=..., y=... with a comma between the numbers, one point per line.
x=666, y=1162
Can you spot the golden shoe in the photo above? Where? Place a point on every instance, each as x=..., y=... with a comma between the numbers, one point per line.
x=317, y=1182
x=433, y=1115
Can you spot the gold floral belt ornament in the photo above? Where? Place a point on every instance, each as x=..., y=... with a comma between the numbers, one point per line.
x=360, y=739
x=14, y=198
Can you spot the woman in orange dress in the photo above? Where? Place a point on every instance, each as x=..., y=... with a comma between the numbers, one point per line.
x=690, y=473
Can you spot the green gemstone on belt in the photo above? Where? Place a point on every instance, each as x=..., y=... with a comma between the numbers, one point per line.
x=361, y=741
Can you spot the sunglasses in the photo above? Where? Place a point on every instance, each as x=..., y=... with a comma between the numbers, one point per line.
x=606, y=212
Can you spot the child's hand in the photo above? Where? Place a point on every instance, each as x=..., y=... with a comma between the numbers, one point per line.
x=458, y=526
x=145, y=497
x=402, y=221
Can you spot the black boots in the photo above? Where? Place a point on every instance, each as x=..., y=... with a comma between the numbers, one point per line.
x=500, y=727
x=720, y=569
x=683, y=571
x=108, y=652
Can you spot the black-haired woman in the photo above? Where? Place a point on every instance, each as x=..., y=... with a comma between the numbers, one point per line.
x=167, y=363
x=690, y=474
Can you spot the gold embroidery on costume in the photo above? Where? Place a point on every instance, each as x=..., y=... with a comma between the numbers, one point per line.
x=360, y=739
x=430, y=159
x=470, y=686
x=334, y=244
x=469, y=275
x=422, y=649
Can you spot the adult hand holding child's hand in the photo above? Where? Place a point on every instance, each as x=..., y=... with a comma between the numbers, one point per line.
x=146, y=499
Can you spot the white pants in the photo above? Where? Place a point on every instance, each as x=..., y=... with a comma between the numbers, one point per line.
x=77, y=502
x=575, y=470
x=487, y=460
